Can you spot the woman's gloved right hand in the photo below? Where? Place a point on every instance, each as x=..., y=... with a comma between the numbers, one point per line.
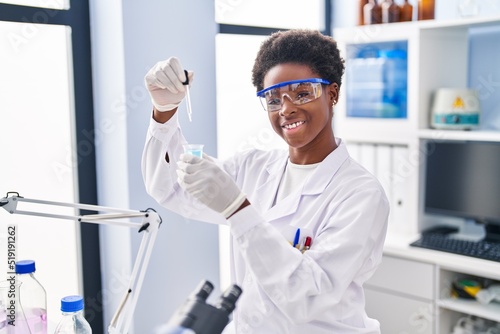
x=164, y=82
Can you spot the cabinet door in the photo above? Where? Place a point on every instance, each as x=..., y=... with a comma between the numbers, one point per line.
x=404, y=277
x=400, y=315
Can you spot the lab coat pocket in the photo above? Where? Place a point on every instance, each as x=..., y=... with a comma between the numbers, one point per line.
x=298, y=237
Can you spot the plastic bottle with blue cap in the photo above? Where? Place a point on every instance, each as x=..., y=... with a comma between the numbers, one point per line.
x=32, y=297
x=73, y=321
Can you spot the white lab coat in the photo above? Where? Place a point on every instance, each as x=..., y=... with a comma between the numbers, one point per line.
x=341, y=206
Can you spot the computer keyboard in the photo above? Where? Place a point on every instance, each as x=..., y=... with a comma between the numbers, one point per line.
x=487, y=250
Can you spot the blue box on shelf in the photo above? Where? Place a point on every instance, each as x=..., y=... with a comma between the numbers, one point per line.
x=377, y=80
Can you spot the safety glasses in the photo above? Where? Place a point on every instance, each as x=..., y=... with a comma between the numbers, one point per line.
x=297, y=91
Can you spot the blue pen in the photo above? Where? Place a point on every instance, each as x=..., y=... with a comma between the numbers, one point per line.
x=297, y=237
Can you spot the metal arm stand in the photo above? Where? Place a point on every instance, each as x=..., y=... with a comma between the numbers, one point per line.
x=149, y=224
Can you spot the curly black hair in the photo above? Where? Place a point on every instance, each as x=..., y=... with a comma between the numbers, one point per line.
x=300, y=46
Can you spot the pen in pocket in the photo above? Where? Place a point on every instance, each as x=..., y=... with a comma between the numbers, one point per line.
x=303, y=243
x=297, y=238
x=307, y=243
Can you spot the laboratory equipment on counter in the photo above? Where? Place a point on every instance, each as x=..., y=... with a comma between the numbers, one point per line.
x=149, y=224
x=12, y=318
x=73, y=321
x=203, y=318
x=32, y=296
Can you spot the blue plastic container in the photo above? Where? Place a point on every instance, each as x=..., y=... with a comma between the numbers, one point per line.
x=377, y=80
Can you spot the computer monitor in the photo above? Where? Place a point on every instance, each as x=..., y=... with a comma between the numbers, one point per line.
x=463, y=180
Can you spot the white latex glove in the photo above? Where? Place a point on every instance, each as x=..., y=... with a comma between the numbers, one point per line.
x=164, y=83
x=212, y=186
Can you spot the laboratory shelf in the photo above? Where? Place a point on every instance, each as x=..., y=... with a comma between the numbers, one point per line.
x=490, y=311
x=473, y=135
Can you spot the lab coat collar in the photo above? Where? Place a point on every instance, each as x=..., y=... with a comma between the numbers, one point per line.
x=316, y=184
x=325, y=171
x=274, y=169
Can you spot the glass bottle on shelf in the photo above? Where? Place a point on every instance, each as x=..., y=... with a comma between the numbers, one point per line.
x=372, y=12
x=426, y=9
x=362, y=4
x=390, y=11
x=406, y=12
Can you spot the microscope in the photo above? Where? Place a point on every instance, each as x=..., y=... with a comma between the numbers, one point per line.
x=202, y=318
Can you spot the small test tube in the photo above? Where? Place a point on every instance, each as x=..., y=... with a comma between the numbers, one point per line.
x=188, y=104
x=188, y=97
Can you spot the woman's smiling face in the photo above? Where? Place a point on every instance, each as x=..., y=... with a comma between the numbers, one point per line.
x=306, y=126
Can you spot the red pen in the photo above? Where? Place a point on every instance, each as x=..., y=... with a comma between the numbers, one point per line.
x=308, y=242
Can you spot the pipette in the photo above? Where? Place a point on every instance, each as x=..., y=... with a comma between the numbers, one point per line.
x=188, y=96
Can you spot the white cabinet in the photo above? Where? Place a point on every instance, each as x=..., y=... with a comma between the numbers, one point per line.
x=398, y=300
x=411, y=291
x=399, y=314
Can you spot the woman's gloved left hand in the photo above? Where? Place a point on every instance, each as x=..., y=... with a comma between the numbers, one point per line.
x=212, y=186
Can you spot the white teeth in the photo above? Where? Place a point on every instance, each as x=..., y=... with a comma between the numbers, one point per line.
x=293, y=125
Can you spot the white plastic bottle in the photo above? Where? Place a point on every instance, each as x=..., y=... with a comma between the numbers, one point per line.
x=73, y=321
x=32, y=297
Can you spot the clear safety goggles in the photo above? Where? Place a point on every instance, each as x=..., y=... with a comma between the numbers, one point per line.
x=297, y=91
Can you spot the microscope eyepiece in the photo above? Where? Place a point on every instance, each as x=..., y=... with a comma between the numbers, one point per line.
x=203, y=290
x=227, y=300
x=202, y=317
